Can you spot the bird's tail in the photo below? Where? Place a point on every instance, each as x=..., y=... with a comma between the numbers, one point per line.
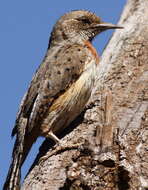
x=21, y=149
x=14, y=174
x=19, y=155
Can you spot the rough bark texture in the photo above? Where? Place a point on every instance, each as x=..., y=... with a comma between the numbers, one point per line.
x=112, y=133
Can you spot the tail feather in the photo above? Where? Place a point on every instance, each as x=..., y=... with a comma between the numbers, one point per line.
x=14, y=174
x=13, y=177
x=21, y=149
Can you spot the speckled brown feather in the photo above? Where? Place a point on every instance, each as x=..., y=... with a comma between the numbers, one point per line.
x=52, y=79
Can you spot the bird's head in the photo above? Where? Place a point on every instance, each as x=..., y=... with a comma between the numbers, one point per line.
x=79, y=25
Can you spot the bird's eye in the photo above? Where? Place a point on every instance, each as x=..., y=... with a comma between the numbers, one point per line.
x=85, y=20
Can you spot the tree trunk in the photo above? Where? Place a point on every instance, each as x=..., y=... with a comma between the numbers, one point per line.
x=107, y=145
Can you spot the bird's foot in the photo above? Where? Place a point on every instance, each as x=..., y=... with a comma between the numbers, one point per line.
x=59, y=148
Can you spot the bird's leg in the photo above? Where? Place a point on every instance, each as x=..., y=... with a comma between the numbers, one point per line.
x=52, y=136
x=60, y=146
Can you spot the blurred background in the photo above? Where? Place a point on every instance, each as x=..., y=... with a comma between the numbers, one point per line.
x=25, y=28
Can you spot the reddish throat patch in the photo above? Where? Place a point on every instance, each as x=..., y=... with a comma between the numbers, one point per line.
x=93, y=50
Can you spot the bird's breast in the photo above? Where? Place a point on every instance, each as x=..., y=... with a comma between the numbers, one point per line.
x=92, y=50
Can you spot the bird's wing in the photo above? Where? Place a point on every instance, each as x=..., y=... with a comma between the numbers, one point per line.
x=56, y=74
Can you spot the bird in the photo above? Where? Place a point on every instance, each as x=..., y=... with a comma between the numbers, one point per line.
x=60, y=88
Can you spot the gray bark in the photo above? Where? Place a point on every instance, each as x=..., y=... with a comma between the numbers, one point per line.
x=107, y=148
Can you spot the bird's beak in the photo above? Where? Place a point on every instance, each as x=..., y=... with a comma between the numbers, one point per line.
x=105, y=26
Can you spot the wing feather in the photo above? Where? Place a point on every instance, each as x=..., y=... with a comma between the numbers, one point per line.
x=58, y=71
